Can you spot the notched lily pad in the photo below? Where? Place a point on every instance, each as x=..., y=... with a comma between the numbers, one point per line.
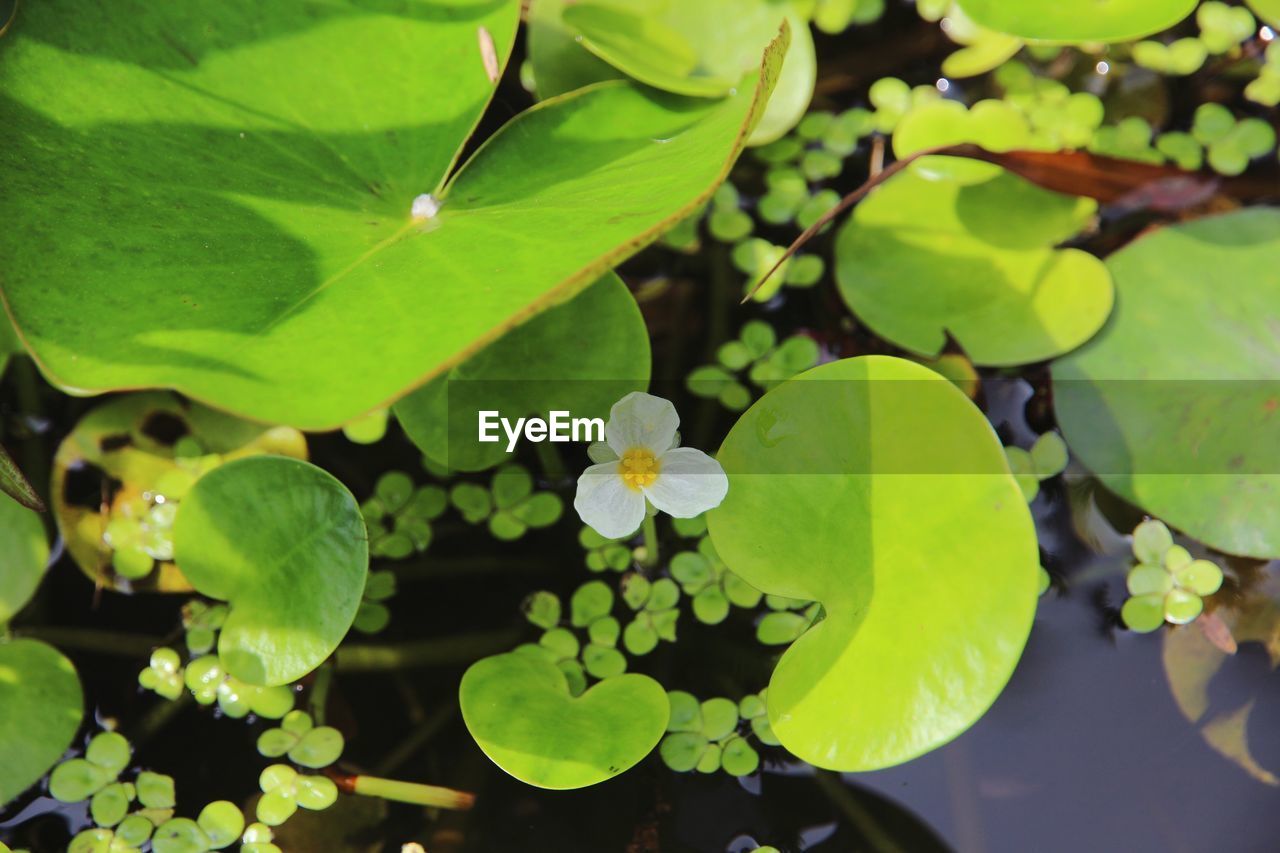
x=1175, y=404
x=289, y=275
x=875, y=487
x=293, y=576
x=120, y=476
x=519, y=710
x=920, y=259
x=41, y=705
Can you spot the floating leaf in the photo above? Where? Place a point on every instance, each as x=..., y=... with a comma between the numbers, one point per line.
x=293, y=576
x=1174, y=405
x=1074, y=21
x=40, y=709
x=580, y=357
x=678, y=47
x=128, y=464
x=921, y=259
x=872, y=485
x=286, y=275
x=556, y=740
x=26, y=553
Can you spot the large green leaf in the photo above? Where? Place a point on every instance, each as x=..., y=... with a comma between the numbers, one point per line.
x=921, y=259
x=699, y=49
x=225, y=196
x=40, y=710
x=580, y=357
x=874, y=486
x=1075, y=21
x=519, y=710
x=26, y=553
x=1175, y=404
x=284, y=543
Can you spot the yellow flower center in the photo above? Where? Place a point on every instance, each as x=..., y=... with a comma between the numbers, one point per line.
x=639, y=468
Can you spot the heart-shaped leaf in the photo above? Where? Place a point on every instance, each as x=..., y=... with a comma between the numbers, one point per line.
x=921, y=259
x=1075, y=21
x=1175, y=404
x=26, y=553
x=580, y=357
x=40, y=710
x=283, y=542
x=270, y=194
x=678, y=47
x=121, y=474
x=519, y=710
x=875, y=487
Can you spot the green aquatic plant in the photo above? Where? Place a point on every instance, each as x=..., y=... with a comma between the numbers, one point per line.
x=1167, y=584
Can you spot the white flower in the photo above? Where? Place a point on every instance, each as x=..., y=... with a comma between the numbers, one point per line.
x=639, y=459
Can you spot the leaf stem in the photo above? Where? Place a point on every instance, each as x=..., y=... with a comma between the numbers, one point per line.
x=403, y=792
x=437, y=651
x=93, y=640
x=319, y=697
x=650, y=530
x=552, y=463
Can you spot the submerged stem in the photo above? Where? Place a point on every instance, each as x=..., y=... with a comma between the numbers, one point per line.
x=437, y=651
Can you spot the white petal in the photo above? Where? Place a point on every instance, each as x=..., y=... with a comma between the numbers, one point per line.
x=689, y=482
x=606, y=504
x=600, y=451
x=641, y=420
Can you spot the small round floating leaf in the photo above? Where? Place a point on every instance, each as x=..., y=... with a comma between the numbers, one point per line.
x=1181, y=607
x=110, y=805
x=155, y=790
x=751, y=706
x=635, y=590
x=276, y=807
x=605, y=631
x=686, y=712
x=603, y=661
x=1149, y=580
x=1183, y=377
x=690, y=568
x=542, y=609
x=560, y=641
x=1144, y=613
x=639, y=637
x=1199, y=576
x=738, y=758
x=1049, y=455
x=558, y=741
x=710, y=606
x=1151, y=541
x=293, y=577
x=710, y=760
x=77, y=780
x=911, y=650
x=1077, y=21
x=316, y=792
x=394, y=489
x=681, y=751
x=222, y=822
x=89, y=841
x=719, y=717
x=179, y=835
x=663, y=595
x=135, y=830
x=590, y=602
x=318, y=747
x=110, y=751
